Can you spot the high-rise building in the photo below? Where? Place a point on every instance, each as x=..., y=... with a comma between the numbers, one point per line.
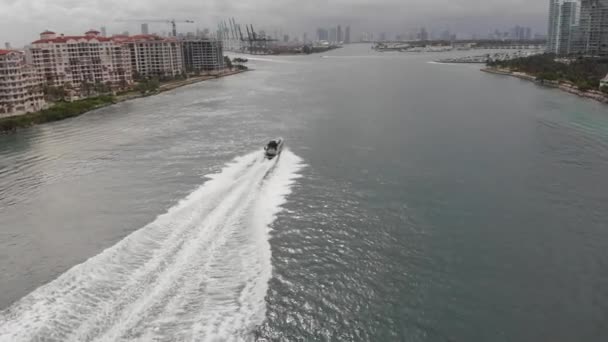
x=154, y=56
x=203, y=55
x=340, y=38
x=286, y=38
x=593, y=28
x=305, y=38
x=333, y=35
x=553, y=30
x=564, y=37
x=322, y=34
x=78, y=62
x=445, y=35
x=104, y=32
x=144, y=28
x=423, y=35
x=347, y=35
x=20, y=85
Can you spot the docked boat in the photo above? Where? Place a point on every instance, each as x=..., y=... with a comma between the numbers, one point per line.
x=273, y=148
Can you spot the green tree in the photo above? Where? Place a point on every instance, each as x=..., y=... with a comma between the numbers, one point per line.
x=228, y=62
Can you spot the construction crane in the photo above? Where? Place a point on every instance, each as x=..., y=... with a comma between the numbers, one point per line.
x=168, y=21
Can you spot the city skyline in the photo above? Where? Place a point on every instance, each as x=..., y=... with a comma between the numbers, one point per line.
x=464, y=16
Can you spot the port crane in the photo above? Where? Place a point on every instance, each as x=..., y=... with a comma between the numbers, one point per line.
x=168, y=21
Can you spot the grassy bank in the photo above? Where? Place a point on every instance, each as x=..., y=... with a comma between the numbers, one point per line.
x=59, y=111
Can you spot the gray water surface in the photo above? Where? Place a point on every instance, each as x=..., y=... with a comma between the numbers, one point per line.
x=434, y=203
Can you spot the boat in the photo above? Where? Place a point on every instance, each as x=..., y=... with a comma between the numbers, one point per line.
x=273, y=148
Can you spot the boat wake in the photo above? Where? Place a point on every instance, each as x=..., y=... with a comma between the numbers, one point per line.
x=199, y=272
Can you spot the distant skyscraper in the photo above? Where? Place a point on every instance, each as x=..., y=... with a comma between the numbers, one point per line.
x=445, y=35
x=322, y=34
x=104, y=33
x=286, y=38
x=305, y=38
x=383, y=36
x=423, y=35
x=7, y=45
x=340, y=37
x=144, y=28
x=333, y=35
x=347, y=35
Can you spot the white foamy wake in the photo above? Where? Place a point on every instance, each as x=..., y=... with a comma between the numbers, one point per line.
x=197, y=273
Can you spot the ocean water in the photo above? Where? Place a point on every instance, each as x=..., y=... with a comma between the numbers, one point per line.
x=415, y=202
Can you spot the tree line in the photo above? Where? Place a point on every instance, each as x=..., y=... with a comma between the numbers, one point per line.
x=584, y=73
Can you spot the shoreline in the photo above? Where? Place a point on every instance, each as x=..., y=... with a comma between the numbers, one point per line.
x=68, y=110
x=561, y=85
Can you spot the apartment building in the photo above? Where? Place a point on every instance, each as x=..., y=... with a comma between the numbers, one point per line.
x=594, y=28
x=203, y=55
x=563, y=27
x=154, y=56
x=20, y=85
x=82, y=63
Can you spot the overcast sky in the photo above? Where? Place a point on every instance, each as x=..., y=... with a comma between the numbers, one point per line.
x=22, y=20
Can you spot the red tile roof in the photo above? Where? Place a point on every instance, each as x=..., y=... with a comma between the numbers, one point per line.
x=64, y=39
x=92, y=32
x=48, y=32
x=4, y=52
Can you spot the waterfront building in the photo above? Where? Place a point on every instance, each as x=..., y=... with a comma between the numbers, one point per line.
x=593, y=28
x=202, y=55
x=154, y=56
x=563, y=27
x=78, y=63
x=340, y=37
x=20, y=85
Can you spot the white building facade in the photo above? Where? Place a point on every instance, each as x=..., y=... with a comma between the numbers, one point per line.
x=20, y=85
x=155, y=57
x=563, y=26
x=81, y=63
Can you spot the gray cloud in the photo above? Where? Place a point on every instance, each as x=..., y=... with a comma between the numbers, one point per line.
x=22, y=20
